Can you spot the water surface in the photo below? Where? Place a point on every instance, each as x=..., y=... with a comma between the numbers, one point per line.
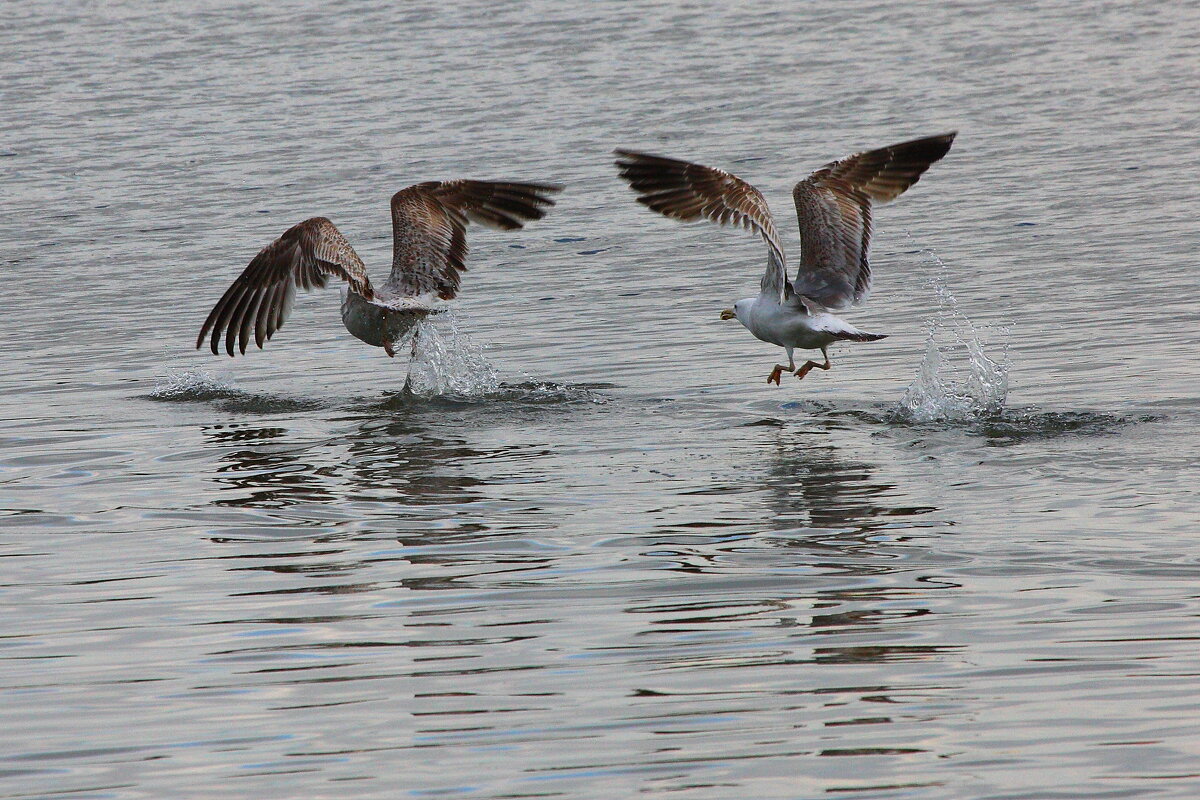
x=594, y=555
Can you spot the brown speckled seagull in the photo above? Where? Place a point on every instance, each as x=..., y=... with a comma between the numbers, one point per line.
x=429, y=251
x=833, y=206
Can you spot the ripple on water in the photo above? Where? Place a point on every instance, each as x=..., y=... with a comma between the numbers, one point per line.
x=1026, y=424
x=445, y=362
x=962, y=384
x=449, y=371
x=1001, y=426
x=529, y=393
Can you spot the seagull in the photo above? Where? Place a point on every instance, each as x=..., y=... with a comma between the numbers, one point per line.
x=833, y=206
x=429, y=250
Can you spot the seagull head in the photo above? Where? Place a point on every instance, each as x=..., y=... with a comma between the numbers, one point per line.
x=739, y=311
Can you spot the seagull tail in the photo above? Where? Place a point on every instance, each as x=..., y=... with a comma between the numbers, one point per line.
x=861, y=336
x=838, y=327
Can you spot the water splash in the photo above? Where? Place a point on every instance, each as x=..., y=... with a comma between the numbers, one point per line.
x=448, y=362
x=192, y=385
x=959, y=379
x=198, y=386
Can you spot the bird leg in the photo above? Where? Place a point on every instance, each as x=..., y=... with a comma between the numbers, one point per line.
x=779, y=368
x=416, y=335
x=808, y=365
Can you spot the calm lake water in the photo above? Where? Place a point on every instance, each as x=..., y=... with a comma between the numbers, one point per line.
x=594, y=555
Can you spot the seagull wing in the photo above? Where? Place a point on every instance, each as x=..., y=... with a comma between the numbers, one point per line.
x=685, y=191
x=429, y=228
x=306, y=255
x=833, y=206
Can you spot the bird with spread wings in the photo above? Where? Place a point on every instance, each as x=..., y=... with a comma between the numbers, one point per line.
x=429, y=251
x=833, y=205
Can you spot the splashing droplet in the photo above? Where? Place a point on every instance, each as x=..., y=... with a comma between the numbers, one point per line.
x=958, y=379
x=448, y=362
x=192, y=384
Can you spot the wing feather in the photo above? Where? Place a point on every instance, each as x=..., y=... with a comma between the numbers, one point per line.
x=429, y=228
x=258, y=302
x=833, y=206
x=688, y=192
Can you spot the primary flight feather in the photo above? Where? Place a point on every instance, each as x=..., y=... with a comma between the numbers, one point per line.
x=429, y=251
x=833, y=207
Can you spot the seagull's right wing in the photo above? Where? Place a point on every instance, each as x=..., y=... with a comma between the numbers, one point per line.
x=686, y=191
x=260, y=299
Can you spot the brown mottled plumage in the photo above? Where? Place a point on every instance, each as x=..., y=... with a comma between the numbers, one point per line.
x=685, y=191
x=429, y=227
x=833, y=206
x=429, y=250
x=305, y=255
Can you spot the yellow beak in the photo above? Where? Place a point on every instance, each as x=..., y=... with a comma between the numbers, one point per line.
x=728, y=314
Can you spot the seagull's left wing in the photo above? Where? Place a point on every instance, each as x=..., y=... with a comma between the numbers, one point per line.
x=686, y=191
x=833, y=206
x=429, y=227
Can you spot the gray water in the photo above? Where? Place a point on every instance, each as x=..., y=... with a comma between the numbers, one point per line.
x=590, y=553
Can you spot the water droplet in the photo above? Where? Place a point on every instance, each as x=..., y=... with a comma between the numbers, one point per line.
x=959, y=379
x=448, y=362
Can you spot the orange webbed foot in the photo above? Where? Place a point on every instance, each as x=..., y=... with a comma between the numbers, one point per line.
x=776, y=373
x=810, y=365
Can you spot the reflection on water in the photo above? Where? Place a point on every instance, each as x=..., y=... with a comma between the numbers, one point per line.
x=813, y=487
x=810, y=609
x=265, y=468
x=401, y=462
x=833, y=510
x=385, y=461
